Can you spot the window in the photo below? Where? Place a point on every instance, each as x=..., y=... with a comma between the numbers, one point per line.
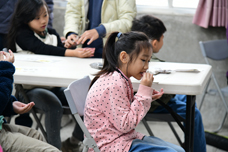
x=181, y=7
x=167, y=6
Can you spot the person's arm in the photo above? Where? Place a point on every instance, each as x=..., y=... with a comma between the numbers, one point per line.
x=6, y=80
x=73, y=16
x=126, y=12
x=26, y=40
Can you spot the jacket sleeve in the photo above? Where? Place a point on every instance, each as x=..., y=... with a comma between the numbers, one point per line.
x=126, y=12
x=73, y=16
x=28, y=41
x=123, y=114
x=6, y=80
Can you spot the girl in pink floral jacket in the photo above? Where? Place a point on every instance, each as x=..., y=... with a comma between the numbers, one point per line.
x=112, y=111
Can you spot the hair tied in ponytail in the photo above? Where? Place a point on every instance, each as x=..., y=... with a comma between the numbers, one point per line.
x=118, y=35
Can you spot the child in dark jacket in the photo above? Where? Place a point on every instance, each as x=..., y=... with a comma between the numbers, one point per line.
x=14, y=137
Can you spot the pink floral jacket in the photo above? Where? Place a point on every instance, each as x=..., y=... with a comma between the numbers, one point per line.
x=112, y=111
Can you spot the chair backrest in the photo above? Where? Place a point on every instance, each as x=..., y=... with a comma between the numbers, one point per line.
x=76, y=94
x=215, y=49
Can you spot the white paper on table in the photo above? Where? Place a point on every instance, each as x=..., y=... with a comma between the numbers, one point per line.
x=39, y=59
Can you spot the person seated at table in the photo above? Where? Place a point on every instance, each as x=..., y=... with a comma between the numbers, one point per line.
x=14, y=137
x=155, y=29
x=29, y=34
x=112, y=111
x=89, y=22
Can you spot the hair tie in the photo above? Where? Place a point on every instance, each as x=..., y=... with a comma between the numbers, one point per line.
x=119, y=34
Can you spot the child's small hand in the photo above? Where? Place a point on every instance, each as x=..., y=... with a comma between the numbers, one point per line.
x=156, y=94
x=21, y=108
x=4, y=56
x=85, y=52
x=147, y=79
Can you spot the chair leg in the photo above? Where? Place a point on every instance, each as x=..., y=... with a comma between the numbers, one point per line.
x=175, y=133
x=204, y=93
x=220, y=93
x=224, y=102
x=224, y=118
x=74, y=118
x=147, y=127
x=37, y=126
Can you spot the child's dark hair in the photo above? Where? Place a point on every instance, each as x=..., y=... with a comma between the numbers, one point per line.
x=132, y=43
x=151, y=26
x=25, y=11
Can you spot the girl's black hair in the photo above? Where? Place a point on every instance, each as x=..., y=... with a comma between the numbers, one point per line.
x=25, y=11
x=132, y=43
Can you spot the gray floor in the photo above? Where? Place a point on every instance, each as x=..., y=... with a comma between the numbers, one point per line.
x=160, y=129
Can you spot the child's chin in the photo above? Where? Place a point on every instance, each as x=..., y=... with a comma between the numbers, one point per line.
x=138, y=78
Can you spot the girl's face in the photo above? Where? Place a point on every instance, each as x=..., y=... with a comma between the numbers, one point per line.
x=137, y=67
x=39, y=23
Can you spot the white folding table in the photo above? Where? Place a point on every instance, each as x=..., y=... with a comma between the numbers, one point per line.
x=56, y=71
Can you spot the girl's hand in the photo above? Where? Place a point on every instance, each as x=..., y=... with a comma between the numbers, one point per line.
x=8, y=56
x=156, y=94
x=89, y=34
x=147, y=79
x=71, y=41
x=85, y=52
x=21, y=108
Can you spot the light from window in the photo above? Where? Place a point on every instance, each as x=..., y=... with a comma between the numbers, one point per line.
x=153, y=3
x=165, y=3
x=185, y=3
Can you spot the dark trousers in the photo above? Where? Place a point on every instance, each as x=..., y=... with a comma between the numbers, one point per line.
x=50, y=102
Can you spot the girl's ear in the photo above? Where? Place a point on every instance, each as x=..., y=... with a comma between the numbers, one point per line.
x=124, y=57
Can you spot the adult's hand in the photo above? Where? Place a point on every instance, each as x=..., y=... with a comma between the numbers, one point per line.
x=89, y=34
x=71, y=41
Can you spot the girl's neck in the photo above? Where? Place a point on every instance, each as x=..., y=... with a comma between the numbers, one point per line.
x=42, y=34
